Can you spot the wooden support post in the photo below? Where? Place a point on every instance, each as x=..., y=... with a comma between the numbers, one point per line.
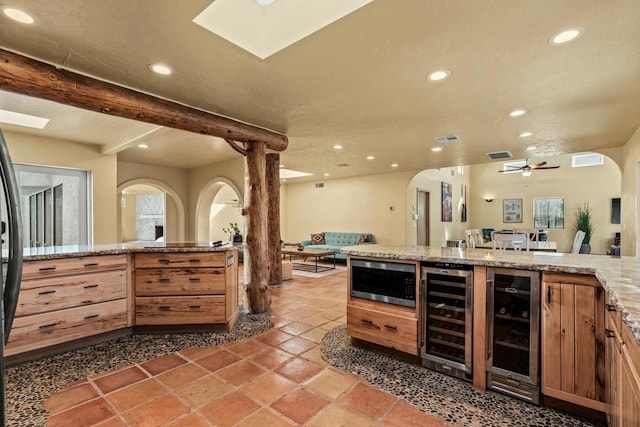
x=257, y=241
x=273, y=223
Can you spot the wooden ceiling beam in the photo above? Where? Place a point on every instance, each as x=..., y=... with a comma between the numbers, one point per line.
x=27, y=76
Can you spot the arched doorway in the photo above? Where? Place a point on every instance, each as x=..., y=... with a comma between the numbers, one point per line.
x=219, y=204
x=149, y=211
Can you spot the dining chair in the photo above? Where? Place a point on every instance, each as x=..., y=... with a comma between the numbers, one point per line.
x=473, y=237
x=577, y=242
x=531, y=232
x=517, y=242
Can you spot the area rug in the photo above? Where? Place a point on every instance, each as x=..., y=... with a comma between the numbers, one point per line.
x=453, y=400
x=340, y=268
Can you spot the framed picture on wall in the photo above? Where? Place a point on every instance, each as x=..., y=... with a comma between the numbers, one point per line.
x=512, y=210
x=447, y=202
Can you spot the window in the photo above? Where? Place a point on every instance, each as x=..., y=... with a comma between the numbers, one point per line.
x=548, y=212
x=55, y=205
x=586, y=159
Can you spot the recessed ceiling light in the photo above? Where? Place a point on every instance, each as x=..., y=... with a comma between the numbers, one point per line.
x=326, y=174
x=18, y=15
x=531, y=148
x=19, y=119
x=394, y=165
x=517, y=113
x=264, y=2
x=566, y=36
x=525, y=134
x=436, y=149
x=143, y=146
x=371, y=158
x=162, y=69
x=439, y=75
x=337, y=147
x=281, y=166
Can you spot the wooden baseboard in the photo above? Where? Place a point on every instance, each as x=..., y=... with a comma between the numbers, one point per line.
x=406, y=357
x=592, y=415
x=67, y=346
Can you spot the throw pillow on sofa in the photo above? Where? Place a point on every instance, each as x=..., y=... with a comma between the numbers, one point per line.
x=317, y=238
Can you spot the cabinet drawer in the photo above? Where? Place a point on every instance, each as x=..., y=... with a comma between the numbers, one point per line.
x=68, y=266
x=183, y=281
x=186, y=259
x=39, y=296
x=389, y=330
x=42, y=330
x=179, y=310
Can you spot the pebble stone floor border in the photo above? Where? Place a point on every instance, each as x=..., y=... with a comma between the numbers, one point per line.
x=451, y=400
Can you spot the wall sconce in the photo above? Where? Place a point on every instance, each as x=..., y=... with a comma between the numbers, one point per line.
x=488, y=199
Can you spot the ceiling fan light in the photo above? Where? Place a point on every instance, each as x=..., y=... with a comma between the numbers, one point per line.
x=526, y=173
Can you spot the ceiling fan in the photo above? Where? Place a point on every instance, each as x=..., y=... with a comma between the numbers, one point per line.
x=528, y=169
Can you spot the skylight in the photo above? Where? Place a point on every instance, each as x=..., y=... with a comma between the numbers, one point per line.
x=19, y=119
x=264, y=31
x=288, y=173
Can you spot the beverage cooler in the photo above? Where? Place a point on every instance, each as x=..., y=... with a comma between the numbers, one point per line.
x=513, y=328
x=447, y=318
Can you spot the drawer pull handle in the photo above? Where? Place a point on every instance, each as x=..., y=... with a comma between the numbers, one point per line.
x=164, y=280
x=366, y=321
x=47, y=326
x=48, y=268
x=164, y=260
x=91, y=316
x=46, y=292
x=392, y=327
x=194, y=260
x=609, y=333
x=91, y=264
x=165, y=307
x=194, y=279
x=194, y=307
x=91, y=286
x=610, y=307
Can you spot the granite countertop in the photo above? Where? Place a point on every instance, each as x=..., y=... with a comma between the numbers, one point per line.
x=620, y=276
x=56, y=252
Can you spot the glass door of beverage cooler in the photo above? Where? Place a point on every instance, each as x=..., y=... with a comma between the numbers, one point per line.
x=447, y=317
x=514, y=331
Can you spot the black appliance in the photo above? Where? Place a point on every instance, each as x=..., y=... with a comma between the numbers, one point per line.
x=513, y=316
x=11, y=258
x=447, y=318
x=389, y=282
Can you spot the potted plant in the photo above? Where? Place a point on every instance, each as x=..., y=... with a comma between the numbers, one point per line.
x=584, y=222
x=234, y=232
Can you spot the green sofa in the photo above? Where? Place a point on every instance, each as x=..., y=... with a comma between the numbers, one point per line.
x=334, y=241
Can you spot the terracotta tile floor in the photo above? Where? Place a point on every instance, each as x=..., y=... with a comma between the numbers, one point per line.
x=277, y=378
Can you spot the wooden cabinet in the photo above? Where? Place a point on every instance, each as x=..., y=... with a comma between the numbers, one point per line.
x=623, y=373
x=374, y=323
x=192, y=288
x=68, y=299
x=573, y=346
x=390, y=325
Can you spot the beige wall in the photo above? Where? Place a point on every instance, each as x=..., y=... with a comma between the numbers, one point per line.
x=375, y=204
x=128, y=218
x=595, y=185
x=630, y=188
x=431, y=181
x=55, y=152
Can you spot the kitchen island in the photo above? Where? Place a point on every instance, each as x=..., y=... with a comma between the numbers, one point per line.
x=589, y=323
x=71, y=296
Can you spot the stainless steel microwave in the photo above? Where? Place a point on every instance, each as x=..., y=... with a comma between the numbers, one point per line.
x=389, y=282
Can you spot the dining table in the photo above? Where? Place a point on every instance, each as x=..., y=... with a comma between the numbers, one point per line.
x=542, y=246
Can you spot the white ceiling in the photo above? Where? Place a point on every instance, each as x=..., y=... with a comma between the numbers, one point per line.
x=359, y=82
